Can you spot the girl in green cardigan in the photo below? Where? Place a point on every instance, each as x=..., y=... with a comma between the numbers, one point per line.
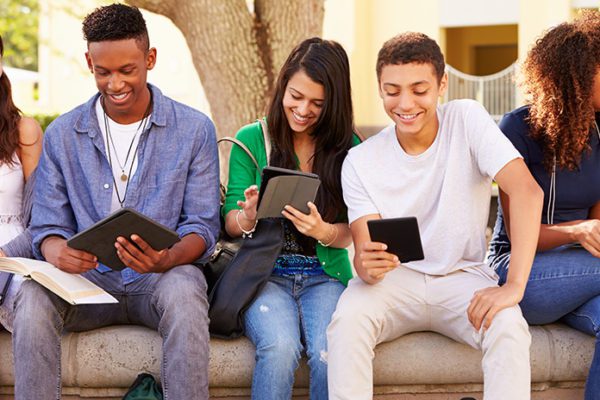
x=310, y=129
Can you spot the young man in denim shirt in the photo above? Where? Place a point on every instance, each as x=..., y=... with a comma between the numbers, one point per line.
x=128, y=146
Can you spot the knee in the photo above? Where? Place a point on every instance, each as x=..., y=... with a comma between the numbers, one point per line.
x=279, y=351
x=183, y=291
x=352, y=317
x=510, y=324
x=34, y=309
x=317, y=358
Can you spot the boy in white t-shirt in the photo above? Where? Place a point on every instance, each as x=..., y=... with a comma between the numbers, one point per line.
x=436, y=162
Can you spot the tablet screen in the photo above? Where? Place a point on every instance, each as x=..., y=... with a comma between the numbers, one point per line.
x=401, y=235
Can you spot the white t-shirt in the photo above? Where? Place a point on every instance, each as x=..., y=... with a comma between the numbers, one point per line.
x=447, y=187
x=122, y=135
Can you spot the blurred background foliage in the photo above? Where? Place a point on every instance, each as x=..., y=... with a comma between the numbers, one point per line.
x=19, y=29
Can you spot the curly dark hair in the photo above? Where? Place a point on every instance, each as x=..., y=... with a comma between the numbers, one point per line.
x=10, y=116
x=558, y=77
x=411, y=47
x=116, y=22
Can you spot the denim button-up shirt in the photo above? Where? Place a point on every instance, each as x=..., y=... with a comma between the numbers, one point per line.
x=176, y=182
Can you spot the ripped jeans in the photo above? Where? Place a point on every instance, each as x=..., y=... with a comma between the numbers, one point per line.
x=290, y=315
x=564, y=285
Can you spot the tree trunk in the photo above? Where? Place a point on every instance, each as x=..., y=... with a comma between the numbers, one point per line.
x=237, y=53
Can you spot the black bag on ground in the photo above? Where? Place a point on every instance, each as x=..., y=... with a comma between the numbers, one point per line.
x=244, y=278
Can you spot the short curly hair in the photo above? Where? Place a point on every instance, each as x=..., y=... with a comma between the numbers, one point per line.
x=411, y=47
x=558, y=76
x=116, y=22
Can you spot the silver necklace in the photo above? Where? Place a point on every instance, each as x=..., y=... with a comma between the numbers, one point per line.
x=110, y=142
x=124, y=177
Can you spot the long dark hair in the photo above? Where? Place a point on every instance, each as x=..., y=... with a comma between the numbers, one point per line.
x=10, y=116
x=558, y=77
x=326, y=63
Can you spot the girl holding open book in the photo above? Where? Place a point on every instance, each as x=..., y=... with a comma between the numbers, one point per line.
x=559, y=138
x=20, y=148
x=310, y=124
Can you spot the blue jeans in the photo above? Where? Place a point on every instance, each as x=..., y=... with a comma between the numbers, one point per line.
x=564, y=285
x=174, y=303
x=289, y=315
x=7, y=307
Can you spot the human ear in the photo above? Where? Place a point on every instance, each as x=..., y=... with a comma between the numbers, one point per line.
x=151, y=58
x=88, y=59
x=443, y=85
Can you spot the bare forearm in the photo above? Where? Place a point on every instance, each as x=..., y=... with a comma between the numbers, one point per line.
x=361, y=271
x=186, y=251
x=525, y=214
x=555, y=235
x=235, y=221
x=335, y=235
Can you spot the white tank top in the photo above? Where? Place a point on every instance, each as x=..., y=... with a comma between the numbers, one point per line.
x=12, y=182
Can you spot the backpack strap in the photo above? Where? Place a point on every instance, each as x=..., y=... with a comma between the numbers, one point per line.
x=265, y=131
x=242, y=146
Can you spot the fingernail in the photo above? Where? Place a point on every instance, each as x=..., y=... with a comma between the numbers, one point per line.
x=395, y=259
x=384, y=247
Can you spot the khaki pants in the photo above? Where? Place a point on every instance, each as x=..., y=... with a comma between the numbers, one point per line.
x=409, y=301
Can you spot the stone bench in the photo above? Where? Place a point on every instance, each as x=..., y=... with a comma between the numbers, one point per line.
x=101, y=364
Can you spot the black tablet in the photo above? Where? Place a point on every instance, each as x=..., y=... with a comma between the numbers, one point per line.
x=401, y=236
x=99, y=239
x=280, y=187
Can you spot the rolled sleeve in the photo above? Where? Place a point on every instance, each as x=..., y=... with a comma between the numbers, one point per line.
x=200, y=213
x=51, y=213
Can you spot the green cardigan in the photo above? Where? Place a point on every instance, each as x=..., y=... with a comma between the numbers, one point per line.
x=243, y=173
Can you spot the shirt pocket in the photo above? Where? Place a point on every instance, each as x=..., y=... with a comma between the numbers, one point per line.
x=165, y=196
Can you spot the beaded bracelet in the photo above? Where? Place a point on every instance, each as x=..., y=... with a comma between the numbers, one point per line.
x=335, y=235
x=245, y=232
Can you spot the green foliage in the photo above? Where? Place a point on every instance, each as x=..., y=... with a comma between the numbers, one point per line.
x=19, y=30
x=44, y=119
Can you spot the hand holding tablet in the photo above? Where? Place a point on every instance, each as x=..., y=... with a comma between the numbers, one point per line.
x=99, y=239
x=401, y=235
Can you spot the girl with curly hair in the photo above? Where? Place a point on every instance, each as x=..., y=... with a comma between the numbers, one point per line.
x=20, y=148
x=559, y=138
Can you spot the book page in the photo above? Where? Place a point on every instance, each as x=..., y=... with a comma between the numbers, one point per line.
x=72, y=288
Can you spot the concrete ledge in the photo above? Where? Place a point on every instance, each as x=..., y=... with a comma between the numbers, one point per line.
x=101, y=364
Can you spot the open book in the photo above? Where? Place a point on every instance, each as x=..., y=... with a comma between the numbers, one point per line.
x=72, y=288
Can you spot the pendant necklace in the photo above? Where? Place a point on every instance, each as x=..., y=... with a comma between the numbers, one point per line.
x=124, y=177
x=109, y=141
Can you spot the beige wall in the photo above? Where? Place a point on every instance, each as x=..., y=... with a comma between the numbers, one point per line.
x=377, y=21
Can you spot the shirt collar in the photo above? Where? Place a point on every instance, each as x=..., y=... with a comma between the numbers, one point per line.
x=88, y=121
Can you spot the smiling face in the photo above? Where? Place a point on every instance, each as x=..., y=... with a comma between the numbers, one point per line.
x=120, y=68
x=410, y=95
x=303, y=102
